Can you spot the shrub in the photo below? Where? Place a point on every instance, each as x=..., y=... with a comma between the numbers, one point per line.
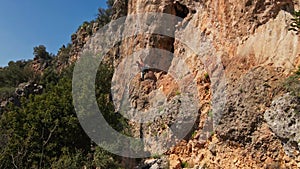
x=104, y=159
x=206, y=77
x=292, y=84
x=6, y=92
x=295, y=25
x=184, y=164
x=67, y=160
x=156, y=156
x=16, y=73
x=40, y=52
x=177, y=93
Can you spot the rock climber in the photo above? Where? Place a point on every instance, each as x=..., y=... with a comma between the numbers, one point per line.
x=143, y=68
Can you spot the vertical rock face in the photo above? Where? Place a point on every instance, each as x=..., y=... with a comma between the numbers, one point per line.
x=237, y=53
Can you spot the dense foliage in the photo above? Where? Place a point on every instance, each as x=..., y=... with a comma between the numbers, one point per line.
x=41, y=53
x=14, y=74
x=43, y=131
x=103, y=17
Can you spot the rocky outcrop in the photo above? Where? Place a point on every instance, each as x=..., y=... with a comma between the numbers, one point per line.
x=120, y=9
x=39, y=65
x=283, y=118
x=26, y=89
x=234, y=60
x=80, y=38
x=157, y=109
x=247, y=102
x=154, y=163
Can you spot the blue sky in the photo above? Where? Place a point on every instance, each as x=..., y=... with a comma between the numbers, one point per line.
x=25, y=24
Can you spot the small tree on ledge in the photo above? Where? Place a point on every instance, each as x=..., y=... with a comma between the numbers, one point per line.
x=295, y=25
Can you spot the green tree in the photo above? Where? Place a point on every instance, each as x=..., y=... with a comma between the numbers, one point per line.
x=45, y=132
x=292, y=84
x=104, y=159
x=16, y=73
x=295, y=25
x=104, y=15
x=64, y=54
x=42, y=129
x=40, y=52
x=105, y=104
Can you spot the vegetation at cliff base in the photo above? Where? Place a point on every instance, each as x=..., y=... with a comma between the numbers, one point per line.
x=14, y=74
x=43, y=131
x=292, y=84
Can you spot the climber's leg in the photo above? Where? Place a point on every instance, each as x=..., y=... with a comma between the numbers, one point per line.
x=142, y=75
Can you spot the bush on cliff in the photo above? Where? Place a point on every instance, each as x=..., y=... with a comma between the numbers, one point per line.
x=295, y=24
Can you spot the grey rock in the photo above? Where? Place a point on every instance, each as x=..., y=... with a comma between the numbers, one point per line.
x=212, y=149
x=3, y=103
x=160, y=163
x=245, y=105
x=154, y=166
x=25, y=89
x=283, y=117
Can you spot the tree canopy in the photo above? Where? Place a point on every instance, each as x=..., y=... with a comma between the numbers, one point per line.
x=43, y=131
